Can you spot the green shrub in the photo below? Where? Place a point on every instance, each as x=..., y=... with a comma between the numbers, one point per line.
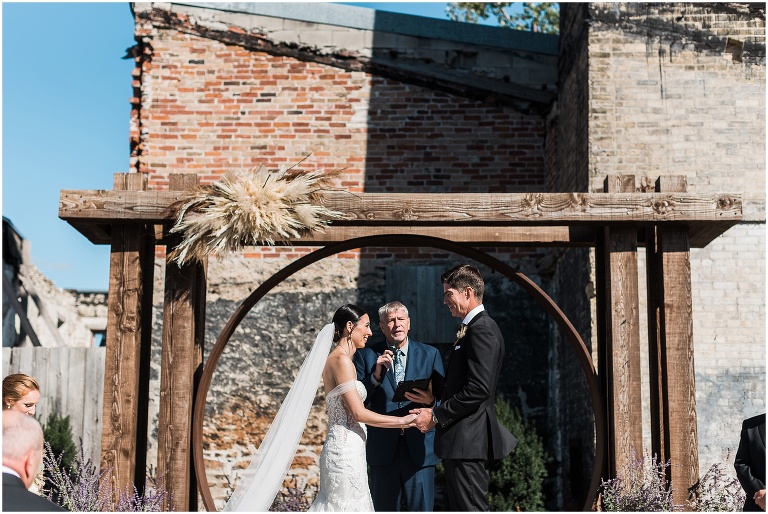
x=517, y=480
x=57, y=433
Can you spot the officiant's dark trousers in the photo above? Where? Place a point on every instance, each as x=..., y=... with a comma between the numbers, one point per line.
x=403, y=476
x=467, y=484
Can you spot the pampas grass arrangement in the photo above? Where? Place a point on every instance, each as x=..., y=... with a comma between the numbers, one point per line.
x=248, y=207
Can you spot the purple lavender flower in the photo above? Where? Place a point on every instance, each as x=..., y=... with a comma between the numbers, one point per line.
x=84, y=489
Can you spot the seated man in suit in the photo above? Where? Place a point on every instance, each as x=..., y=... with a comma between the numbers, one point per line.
x=750, y=462
x=22, y=456
x=402, y=462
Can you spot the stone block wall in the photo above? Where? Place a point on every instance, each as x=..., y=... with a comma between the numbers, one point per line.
x=258, y=365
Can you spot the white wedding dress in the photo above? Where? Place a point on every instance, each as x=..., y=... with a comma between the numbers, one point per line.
x=343, y=467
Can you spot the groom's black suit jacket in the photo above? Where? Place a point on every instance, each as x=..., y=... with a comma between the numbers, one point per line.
x=467, y=425
x=750, y=459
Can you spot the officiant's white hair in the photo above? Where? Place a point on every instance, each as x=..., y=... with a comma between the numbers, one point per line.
x=386, y=310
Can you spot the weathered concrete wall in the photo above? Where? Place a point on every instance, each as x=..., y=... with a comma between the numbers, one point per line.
x=679, y=89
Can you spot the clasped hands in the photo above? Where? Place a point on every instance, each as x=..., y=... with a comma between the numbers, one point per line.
x=419, y=418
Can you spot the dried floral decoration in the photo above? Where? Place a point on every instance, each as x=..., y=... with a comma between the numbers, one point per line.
x=248, y=207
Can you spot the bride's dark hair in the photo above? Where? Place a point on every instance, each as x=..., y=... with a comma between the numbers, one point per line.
x=345, y=313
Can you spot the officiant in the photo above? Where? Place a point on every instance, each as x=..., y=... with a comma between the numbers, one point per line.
x=402, y=462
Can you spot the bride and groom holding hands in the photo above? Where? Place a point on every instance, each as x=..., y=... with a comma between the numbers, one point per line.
x=405, y=439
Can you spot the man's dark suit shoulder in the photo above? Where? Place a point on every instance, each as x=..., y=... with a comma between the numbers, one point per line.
x=753, y=422
x=16, y=497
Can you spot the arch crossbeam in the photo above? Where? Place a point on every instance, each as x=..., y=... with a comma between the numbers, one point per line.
x=557, y=219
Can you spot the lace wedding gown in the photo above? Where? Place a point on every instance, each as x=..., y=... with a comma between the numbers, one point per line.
x=343, y=468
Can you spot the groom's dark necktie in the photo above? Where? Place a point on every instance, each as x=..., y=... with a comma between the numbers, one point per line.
x=399, y=369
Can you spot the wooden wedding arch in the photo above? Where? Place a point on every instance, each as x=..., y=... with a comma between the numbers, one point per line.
x=668, y=222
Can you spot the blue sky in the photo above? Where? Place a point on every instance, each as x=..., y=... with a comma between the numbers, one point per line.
x=65, y=116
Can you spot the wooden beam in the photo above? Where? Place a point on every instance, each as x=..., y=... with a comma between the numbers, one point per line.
x=92, y=212
x=95, y=233
x=129, y=304
x=181, y=359
x=13, y=301
x=673, y=380
x=477, y=236
x=622, y=338
x=437, y=208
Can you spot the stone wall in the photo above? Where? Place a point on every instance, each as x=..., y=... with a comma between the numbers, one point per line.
x=258, y=365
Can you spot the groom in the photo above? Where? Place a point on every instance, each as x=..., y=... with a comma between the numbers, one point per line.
x=468, y=435
x=402, y=462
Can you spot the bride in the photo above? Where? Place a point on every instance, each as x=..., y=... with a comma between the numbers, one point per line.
x=343, y=468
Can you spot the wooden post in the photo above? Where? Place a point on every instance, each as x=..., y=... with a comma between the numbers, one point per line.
x=181, y=365
x=673, y=381
x=126, y=368
x=601, y=318
x=622, y=329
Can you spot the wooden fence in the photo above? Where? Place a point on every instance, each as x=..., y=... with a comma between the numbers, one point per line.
x=71, y=383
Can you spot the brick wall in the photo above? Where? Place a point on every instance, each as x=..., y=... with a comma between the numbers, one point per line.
x=207, y=107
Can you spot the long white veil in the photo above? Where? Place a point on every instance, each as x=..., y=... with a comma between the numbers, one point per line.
x=265, y=474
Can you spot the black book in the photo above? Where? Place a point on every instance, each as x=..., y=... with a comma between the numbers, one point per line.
x=438, y=382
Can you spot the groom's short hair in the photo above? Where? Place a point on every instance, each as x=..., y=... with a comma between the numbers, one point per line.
x=386, y=310
x=464, y=276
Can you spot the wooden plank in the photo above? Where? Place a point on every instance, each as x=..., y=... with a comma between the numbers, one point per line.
x=72, y=364
x=93, y=400
x=701, y=233
x=623, y=336
x=46, y=374
x=420, y=290
x=676, y=356
x=126, y=304
x=182, y=341
x=99, y=234
x=477, y=236
x=437, y=208
x=6, y=361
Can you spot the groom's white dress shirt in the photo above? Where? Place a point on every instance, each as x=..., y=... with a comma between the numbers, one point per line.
x=471, y=314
